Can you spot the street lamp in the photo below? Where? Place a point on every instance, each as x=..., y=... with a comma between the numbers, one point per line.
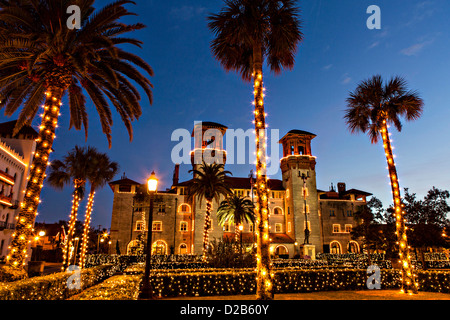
x=241, y=227
x=146, y=289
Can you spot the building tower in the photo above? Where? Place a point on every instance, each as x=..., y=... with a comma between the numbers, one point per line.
x=298, y=170
x=208, y=144
x=208, y=147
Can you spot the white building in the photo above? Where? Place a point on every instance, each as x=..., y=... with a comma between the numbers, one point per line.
x=16, y=155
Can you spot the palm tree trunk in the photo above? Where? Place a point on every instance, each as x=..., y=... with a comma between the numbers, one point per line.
x=27, y=215
x=87, y=222
x=408, y=278
x=264, y=276
x=207, y=228
x=67, y=252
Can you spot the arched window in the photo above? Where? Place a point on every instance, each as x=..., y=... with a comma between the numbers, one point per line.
x=335, y=247
x=353, y=247
x=184, y=208
x=277, y=210
x=183, y=249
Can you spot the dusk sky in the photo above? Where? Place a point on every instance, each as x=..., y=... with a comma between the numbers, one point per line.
x=338, y=52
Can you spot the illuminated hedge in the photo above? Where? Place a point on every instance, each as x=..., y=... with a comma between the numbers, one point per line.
x=53, y=286
x=122, y=287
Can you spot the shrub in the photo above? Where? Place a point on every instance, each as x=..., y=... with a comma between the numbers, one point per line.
x=121, y=287
x=54, y=286
x=8, y=274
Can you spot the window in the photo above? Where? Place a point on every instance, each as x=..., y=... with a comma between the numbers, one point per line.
x=184, y=208
x=307, y=208
x=250, y=227
x=332, y=214
x=289, y=227
x=287, y=193
x=289, y=210
x=183, y=226
x=277, y=210
x=278, y=227
x=226, y=227
x=335, y=247
x=349, y=213
x=161, y=208
x=336, y=228
x=348, y=228
x=139, y=226
x=125, y=188
x=157, y=226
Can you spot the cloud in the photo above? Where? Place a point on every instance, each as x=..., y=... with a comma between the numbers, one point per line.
x=374, y=44
x=327, y=67
x=416, y=48
x=187, y=13
x=346, y=79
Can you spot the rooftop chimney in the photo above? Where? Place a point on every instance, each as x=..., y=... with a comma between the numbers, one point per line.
x=341, y=187
x=176, y=175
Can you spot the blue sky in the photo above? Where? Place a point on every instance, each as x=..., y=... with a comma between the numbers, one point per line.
x=338, y=51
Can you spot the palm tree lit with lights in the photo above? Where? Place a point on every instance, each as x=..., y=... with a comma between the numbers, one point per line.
x=101, y=171
x=371, y=108
x=247, y=32
x=236, y=210
x=72, y=170
x=42, y=60
x=209, y=183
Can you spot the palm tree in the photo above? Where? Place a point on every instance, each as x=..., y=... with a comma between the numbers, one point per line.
x=247, y=32
x=42, y=60
x=209, y=182
x=371, y=108
x=101, y=171
x=237, y=210
x=72, y=170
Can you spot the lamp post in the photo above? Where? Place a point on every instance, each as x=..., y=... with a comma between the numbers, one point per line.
x=146, y=289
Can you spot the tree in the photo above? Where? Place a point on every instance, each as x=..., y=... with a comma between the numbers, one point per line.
x=209, y=182
x=101, y=171
x=72, y=170
x=42, y=60
x=371, y=108
x=236, y=210
x=427, y=219
x=247, y=32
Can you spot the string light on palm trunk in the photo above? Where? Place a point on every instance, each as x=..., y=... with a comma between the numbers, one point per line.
x=23, y=232
x=87, y=223
x=409, y=284
x=264, y=276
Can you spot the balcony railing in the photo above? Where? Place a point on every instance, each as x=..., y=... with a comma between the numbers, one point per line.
x=9, y=226
x=6, y=178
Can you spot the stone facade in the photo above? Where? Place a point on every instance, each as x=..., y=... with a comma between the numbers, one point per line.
x=178, y=224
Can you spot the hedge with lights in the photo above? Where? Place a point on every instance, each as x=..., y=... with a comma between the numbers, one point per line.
x=121, y=287
x=54, y=286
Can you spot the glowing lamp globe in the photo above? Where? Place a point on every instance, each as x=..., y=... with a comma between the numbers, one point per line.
x=152, y=183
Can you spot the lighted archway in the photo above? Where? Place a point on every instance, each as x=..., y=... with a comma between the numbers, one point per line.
x=183, y=249
x=133, y=247
x=353, y=247
x=281, y=250
x=159, y=247
x=335, y=247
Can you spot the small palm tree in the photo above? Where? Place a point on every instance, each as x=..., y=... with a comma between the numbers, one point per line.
x=371, y=108
x=101, y=171
x=209, y=182
x=247, y=32
x=72, y=170
x=236, y=210
x=42, y=60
